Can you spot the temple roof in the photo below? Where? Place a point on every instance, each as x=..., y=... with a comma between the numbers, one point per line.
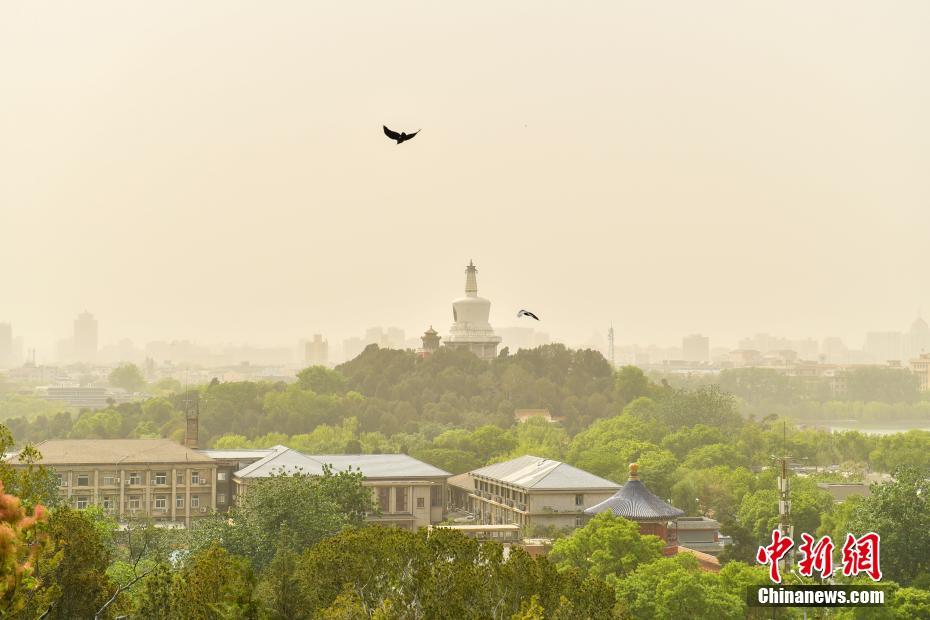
x=634, y=501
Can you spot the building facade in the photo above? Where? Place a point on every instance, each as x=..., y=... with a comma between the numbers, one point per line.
x=156, y=478
x=409, y=493
x=531, y=492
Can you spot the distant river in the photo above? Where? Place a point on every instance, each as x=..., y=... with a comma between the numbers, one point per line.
x=869, y=429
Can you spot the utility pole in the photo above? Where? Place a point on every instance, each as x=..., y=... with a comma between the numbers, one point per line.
x=784, y=498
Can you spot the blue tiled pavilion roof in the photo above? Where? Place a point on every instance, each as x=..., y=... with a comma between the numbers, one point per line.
x=637, y=503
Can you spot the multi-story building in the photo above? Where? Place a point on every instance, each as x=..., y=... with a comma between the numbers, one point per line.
x=133, y=477
x=316, y=351
x=85, y=338
x=920, y=366
x=531, y=492
x=6, y=345
x=695, y=348
x=409, y=493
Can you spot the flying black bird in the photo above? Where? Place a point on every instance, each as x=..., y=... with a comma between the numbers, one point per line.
x=527, y=313
x=400, y=137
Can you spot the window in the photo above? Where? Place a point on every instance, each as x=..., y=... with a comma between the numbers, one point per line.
x=60, y=479
x=179, y=501
x=161, y=477
x=83, y=480
x=435, y=496
x=220, y=498
x=400, y=499
x=579, y=521
x=195, y=501
x=195, y=477
x=135, y=477
x=421, y=502
x=477, y=485
x=81, y=501
x=579, y=500
x=221, y=476
x=179, y=478
x=384, y=498
x=135, y=503
x=161, y=502
x=109, y=479
x=108, y=503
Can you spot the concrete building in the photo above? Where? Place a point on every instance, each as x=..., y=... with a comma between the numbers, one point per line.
x=698, y=533
x=316, y=351
x=471, y=329
x=920, y=366
x=883, y=347
x=529, y=491
x=696, y=348
x=133, y=477
x=409, y=493
x=917, y=340
x=6, y=345
x=84, y=341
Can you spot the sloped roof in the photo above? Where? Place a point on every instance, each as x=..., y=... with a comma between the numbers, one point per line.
x=115, y=452
x=288, y=461
x=237, y=453
x=383, y=465
x=533, y=472
x=282, y=460
x=634, y=501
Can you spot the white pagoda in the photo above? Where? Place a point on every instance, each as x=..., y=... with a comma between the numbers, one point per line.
x=471, y=329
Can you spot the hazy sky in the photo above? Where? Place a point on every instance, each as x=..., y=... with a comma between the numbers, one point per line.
x=215, y=170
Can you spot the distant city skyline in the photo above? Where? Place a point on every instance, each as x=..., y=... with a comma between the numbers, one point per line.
x=874, y=345
x=612, y=165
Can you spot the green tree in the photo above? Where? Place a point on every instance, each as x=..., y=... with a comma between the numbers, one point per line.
x=321, y=380
x=213, y=585
x=155, y=600
x=606, y=545
x=310, y=507
x=127, y=377
x=899, y=511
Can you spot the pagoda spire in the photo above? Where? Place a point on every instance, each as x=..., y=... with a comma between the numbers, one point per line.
x=471, y=280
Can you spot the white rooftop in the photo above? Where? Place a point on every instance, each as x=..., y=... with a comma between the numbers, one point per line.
x=282, y=459
x=533, y=472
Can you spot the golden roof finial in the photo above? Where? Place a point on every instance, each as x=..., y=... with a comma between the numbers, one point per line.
x=634, y=471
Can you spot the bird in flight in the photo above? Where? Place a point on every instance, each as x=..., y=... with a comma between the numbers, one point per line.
x=400, y=137
x=527, y=313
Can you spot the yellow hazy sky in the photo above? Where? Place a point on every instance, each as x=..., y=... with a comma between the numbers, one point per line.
x=215, y=170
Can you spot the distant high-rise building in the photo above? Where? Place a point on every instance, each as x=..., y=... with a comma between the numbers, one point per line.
x=6, y=345
x=834, y=351
x=85, y=338
x=394, y=338
x=317, y=351
x=695, y=348
x=884, y=346
x=917, y=340
x=352, y=347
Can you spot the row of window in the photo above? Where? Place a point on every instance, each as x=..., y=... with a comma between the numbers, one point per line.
x=135, y=502
x=498, y=489
x=137, y=478
x=402, y=498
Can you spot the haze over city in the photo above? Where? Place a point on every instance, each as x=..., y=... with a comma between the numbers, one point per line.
x=753, y=174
